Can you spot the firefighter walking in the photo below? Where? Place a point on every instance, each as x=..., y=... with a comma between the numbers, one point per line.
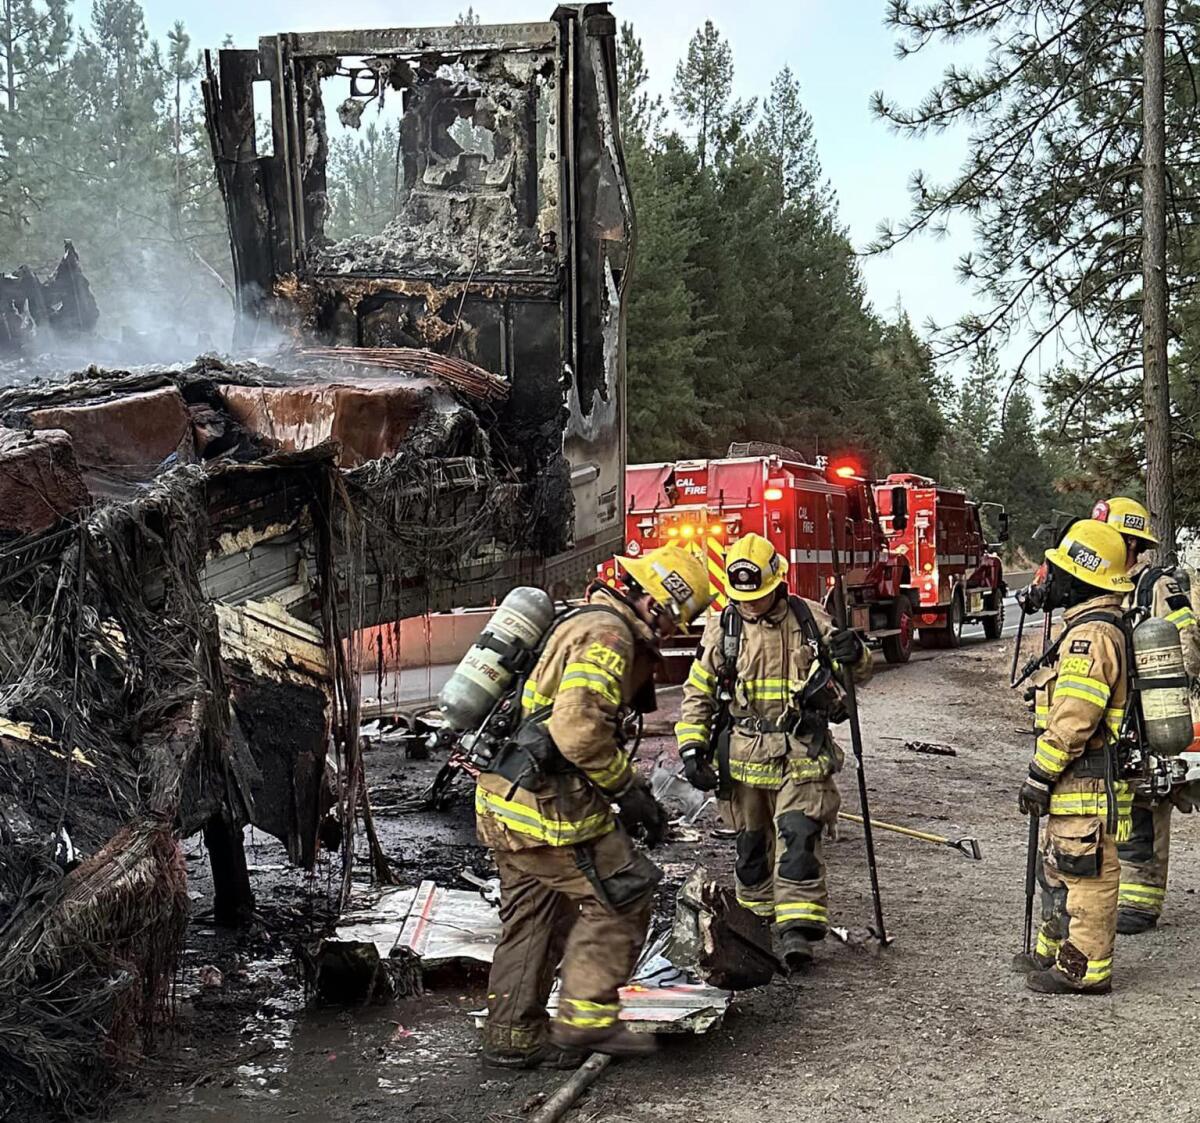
x=1145, y=856
x=765, y=667
x=572, y=885
x=1082, y=692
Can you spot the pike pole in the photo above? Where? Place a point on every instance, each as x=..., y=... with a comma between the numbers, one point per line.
x=842, y=619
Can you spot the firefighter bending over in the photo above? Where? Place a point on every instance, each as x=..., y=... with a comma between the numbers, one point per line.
x=764, y=681
x=1082, y=692
x=572, y=886
x=1145, y=856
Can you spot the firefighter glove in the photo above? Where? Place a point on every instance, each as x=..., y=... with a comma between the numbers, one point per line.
x=845, y=646
x=699, y=772
x=1034, y=796
x=641, y=814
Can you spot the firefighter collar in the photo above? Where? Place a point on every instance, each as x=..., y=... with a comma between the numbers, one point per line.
x=642, y=633
x=1115, y=601
x=773, y=617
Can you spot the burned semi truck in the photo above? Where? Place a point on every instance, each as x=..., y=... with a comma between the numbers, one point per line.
x=504, y=238
x=184, y=550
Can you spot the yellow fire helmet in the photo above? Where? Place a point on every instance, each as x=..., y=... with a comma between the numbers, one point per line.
x=676, y=578
x=1127, y=515
x=1094, y=552
x=753, y=568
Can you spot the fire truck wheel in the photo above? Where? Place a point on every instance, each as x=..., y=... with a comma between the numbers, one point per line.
x=898, y=648
x=993, y=626
x=952, y=633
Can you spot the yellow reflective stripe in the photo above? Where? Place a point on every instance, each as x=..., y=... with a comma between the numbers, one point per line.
x=532, y=699
x=1049, y=758
x=1142, y=894
x=762, y=775
x=588, y=1015
x=588, y=676
x=1098, y=970
x=1182, y=618
x=805, y=768
x=528, y=821
x=759, y=908
x=1092, y=803
x=689, y=733
x=604, y=1017
x=1113, y=717
x=801, y=910
x=1086, y=689
x=1046, y=946
x=702, y=680
x=768, y=689
x=614, y=776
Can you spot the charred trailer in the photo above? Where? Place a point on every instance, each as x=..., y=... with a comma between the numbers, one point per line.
x=461, y=191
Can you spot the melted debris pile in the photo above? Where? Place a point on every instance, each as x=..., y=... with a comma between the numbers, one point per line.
x=155, y=525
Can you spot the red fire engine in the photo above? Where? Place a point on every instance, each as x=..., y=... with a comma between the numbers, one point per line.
x=952, y=574
x=707, y=504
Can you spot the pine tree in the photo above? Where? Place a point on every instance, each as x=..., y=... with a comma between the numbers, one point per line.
x=35, y=112
x=1018, y=475
x=703, y=94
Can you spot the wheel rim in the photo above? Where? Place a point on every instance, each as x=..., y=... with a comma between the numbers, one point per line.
x=906, y=629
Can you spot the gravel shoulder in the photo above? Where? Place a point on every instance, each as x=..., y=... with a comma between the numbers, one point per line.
x=935, y=1028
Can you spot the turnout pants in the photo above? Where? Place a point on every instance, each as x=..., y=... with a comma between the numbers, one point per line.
x=1144, y=857
x=552, y=910
x=780, y=863
x=1080, y=875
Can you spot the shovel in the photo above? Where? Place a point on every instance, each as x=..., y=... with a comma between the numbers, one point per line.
x=967, y=847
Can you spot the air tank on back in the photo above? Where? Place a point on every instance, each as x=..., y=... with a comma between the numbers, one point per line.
x=1163, y=684
x=488, y=668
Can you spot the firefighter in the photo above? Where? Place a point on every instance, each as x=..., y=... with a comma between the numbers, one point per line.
x=572, y=885
x=766, y=660
x=1144, y=857
x=1082, y=691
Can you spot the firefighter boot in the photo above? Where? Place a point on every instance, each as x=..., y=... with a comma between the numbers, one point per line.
x=1073, y=973
x=547, y=1055
x=615, y=1041
x=1025, y=961
x=796, y=951
x=1132, y=922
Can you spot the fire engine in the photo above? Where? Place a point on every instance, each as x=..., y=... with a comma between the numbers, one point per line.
x=952, y=575
x=707, y=504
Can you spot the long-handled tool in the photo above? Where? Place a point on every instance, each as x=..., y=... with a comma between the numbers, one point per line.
x=1031, y=860
x=967, y=847
x=842, y=618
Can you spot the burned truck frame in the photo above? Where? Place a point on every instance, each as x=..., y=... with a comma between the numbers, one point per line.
x=506, y=240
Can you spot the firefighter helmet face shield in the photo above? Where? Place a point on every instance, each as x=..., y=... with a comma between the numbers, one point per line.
x=1128, y=516
x=674, y=578
x=753, y=568
x=1093, y=552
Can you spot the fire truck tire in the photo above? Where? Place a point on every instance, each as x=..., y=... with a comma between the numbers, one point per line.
x=993, y=626
x=898, y=648
x=950, y=635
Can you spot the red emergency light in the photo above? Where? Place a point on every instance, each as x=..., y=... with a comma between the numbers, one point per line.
x=847, y=470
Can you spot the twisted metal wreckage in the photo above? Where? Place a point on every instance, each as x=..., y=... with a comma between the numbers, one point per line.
x=186, y=550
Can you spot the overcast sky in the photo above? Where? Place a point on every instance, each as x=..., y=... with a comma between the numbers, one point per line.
x=839, y=49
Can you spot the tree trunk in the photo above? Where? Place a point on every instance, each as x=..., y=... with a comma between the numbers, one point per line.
x=1160, y=494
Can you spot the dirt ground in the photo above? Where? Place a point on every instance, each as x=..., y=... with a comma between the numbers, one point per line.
x=935, y=1028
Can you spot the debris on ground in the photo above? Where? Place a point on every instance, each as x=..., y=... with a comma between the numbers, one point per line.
x=929, y=747
x=725, y=944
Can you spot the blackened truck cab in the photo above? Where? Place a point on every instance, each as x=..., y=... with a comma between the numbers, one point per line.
x=952, y=575
x=706, y=505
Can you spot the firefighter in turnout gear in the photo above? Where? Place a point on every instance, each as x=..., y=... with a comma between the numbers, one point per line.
x=572, y=885
x=1145, y=856
x=1080, y=700
x=763, y=680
